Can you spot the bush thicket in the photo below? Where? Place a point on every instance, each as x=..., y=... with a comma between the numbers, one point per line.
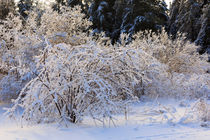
x=61, y=73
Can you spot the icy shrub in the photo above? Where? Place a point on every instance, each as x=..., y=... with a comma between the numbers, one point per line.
x=181, y=71
x=81, y=80
x=61, y=73
x=68, y=26
x=203, y=110
x=20, y=44
x=199, y=112
x=9, y=40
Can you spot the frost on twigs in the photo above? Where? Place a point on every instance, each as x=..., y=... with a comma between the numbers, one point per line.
x=20, y=44
x=81, y=80
x=203, y=110
x=177, y=68
x=61, y=73
x=65, y=26
x=198, y=112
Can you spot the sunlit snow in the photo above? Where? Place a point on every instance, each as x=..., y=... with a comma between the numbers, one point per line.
x=142, y=123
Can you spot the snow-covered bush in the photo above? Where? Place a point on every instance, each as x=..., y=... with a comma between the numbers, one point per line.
x=203, y=110
x=198, y=112
x=9, y=46
x=181, y=71
x=18, y=47
x=62, y=73
x=81, y=80
x=9, y=32
x=71, y=76
x=19, y=44
x=68, y=26
x=178, y=54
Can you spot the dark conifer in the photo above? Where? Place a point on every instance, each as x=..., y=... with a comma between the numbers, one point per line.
x=127, y=16
x=24, y=7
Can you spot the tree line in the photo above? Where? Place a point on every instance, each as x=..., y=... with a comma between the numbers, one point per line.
x=115, y=17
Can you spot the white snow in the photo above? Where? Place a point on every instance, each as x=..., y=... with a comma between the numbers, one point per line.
x=146, y=121
x=168, y=2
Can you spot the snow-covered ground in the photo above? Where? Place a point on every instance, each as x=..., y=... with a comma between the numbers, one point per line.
x=146, y=121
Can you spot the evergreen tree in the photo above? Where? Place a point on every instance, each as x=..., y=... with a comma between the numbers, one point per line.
x=102, y=15
x=71, y=3
x=127, y=16
x=58, y=4
x=193, y=18
x=24, y=7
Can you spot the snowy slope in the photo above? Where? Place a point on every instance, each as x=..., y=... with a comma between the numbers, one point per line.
x=144, y=123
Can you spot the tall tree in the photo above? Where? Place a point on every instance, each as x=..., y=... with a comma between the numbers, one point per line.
x=127, y=16
x=193, y=18
x=24, y=7
x=72, y=3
